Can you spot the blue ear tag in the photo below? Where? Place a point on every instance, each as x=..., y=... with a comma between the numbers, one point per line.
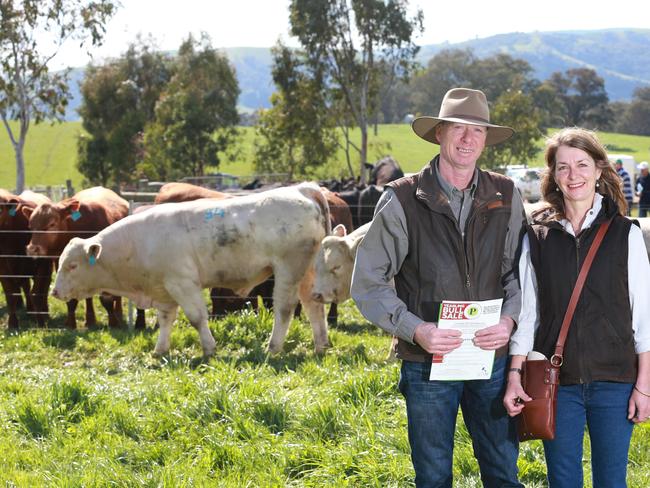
x=76, y=215
x=92, y=260
x=12, y=211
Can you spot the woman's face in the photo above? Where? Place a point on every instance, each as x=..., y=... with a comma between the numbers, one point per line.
x=576, y=174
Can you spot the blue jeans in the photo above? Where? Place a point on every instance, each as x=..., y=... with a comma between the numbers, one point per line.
x=431, y=409
x=602, y=406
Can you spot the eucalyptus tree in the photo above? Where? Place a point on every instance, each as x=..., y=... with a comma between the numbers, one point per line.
x=196, y=115
x=32, y=33
x=347, y=39
x=118, y=99
x=296, y=135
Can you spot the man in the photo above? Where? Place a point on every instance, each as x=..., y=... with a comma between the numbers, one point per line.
x=627, y=184
x=643, y=189
x=447, y=233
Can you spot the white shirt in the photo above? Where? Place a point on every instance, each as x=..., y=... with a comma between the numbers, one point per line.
x=638, y=275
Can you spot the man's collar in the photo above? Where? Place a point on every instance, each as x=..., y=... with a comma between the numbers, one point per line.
x=447, y=187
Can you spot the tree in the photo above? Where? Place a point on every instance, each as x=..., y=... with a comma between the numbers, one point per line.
x=119, y=99
x=196, y=115
x=31, y=34
x=635, y=118
x=296, y=135
x=551, y=107
x=584, y=96
x=453, y=68
x=515, y=109
x=329, y=31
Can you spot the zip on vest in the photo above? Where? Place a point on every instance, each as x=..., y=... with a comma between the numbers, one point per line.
x=470, y=218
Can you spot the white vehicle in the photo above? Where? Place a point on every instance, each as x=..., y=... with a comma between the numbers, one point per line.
x=527, y=180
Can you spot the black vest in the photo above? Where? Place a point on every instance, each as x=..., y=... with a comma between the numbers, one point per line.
x=440, y=265
x=600, y=342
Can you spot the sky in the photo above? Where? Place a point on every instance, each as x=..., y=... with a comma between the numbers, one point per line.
x=259, y=23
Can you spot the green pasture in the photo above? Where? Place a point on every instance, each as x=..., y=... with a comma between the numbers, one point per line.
x=96, y=408
x=50, y=153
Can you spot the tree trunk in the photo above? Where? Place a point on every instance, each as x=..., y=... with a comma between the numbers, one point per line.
x=364, y=154
x=20, y=167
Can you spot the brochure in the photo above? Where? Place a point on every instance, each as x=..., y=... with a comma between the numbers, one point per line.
x=467, y=362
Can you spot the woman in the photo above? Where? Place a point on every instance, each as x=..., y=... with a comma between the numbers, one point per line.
x=605, y=377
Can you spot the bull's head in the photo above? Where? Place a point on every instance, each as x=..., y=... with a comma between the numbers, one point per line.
x=9, y=208
x=49, y=224
x=334, y=264
x=78, y=269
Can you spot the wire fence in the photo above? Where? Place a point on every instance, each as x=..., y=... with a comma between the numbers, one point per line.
x=221, y=297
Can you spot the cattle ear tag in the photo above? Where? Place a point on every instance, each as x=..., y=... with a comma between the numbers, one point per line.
x=92, y=260
x=76, y=215
x=12, y=211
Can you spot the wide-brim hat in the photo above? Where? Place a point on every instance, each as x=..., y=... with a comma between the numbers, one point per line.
x=464, y=106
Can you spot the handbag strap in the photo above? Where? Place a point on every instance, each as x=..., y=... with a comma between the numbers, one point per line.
x=557, y=359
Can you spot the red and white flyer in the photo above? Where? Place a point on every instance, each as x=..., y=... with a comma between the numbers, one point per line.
x=467, y=362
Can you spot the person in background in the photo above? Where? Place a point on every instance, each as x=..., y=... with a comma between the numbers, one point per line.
x=643, y=189
x=627, y=185
x=430, y=234
x=605, y=375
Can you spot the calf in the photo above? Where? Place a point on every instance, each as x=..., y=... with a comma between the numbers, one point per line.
x=334, y=264
x=233, y=243
x=83, y=215
x=16, y=268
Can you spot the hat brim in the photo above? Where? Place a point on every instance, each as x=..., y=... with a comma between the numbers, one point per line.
x=425, y=127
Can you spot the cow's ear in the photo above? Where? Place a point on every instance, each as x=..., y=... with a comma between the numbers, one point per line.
x=93, y=251
x=71, y=209
x=27, y=211
x=339, y=231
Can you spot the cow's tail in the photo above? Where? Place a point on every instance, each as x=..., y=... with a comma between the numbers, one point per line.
x=311, y=190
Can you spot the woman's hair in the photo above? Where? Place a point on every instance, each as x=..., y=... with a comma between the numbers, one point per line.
x=609, y=183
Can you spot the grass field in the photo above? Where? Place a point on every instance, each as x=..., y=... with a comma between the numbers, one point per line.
x=95, y=408
x=50, y=153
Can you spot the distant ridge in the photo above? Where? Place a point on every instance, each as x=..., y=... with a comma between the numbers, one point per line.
x=620, y=56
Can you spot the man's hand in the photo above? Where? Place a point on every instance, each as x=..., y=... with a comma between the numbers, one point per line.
x=495, y=336
x=435, y=340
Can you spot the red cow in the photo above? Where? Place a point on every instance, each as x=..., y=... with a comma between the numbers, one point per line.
x=16, y=268
x=83, y=215
x=184, y=192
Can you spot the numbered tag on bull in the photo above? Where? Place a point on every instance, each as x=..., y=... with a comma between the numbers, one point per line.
x=92, y=260
x=210, y=213
x=76, y=215
x=12, y=211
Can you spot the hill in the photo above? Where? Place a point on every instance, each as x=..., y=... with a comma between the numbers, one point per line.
x=620, y=56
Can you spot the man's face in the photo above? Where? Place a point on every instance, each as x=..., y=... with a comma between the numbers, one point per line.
x=461, y=144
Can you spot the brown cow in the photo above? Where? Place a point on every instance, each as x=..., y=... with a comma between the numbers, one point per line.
x=16, y=268
x=53, y=225
x=185, y=192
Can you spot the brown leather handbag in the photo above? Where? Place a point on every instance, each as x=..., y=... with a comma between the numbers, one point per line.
x=540, y=378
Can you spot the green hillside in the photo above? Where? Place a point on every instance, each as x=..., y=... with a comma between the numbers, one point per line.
x=50, y=153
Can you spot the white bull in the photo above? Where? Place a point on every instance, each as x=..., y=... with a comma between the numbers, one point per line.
x=165, y=257
x=334, y=264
